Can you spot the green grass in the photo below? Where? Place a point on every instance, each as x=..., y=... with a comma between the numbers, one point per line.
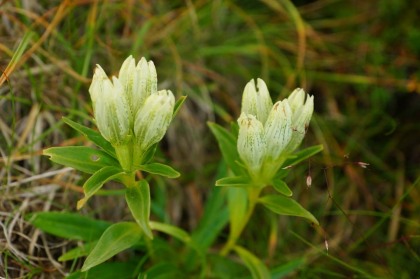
x=360, y=61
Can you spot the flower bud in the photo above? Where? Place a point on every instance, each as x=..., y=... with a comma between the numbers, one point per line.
x=296, y=99
x=277, y=129
x=257, y=100
x=110, y=107
x=152, y=121
x=251, y=142
x=138, y=81
x=147, y=83
x=302, y=112
x=129, y=78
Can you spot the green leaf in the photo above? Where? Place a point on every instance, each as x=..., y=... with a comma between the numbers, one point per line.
x=281, y=187
x=288, y=269
x=253, y=263
x=97, y=180
x=138, y=200
x=69, y=225
x=178, y=105
x=303, y=155
x=215, y=216
x=160, y=169
x=171, y=230
x=81, y=158
x=286, y=206
x=227, y=144
x=148, y=155
x=163, y=270
x=238, y=205
x=297, y=158
x=226, y=267
x=77, y=252
x=93, y=135
x=235, y=181
x=115, y=239
x=120, y=270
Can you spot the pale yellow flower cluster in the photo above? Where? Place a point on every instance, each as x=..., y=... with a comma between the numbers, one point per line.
x=129, y=110
x=267, y=132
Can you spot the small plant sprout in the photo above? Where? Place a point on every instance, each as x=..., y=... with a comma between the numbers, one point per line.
x=267, y=138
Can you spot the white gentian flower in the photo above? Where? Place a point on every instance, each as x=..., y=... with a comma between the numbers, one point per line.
x=139, y=82
x=278, y=130
x=153, y=120
x=130, y=113
x=257, y=100
x=251, y=142
x=267, y=133
x=302, y=111
x=110, y=107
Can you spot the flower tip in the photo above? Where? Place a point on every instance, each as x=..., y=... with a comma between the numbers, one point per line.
x=142, y=62
x=250, y=86
x=99, y=71
x=261, y=85
x=117, y=84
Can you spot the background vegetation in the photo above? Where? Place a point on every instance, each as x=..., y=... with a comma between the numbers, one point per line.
x=359, y=58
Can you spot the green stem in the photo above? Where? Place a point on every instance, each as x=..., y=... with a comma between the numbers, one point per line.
x=253, y=194
x=129, y=179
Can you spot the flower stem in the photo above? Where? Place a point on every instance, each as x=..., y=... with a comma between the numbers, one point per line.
x=253, y=194
x=129, y=179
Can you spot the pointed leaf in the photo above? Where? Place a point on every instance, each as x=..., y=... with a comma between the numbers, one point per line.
x=286, y=206
x=171, y=230
x=77, y=252
x=81, y=158
x=297, y=158
x=215, y=216
x=282, y=187
x=235, y=181
x=253, y=263
x=178, y=105
x=115, y=239
x=69, y=225
x=138, y=200
x=97, y=180
x=227, y=144
x=93, y=135
x=303, y=155
x=148, y=155
x=160, y=169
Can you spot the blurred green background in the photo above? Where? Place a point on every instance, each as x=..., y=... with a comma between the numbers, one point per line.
x=360, y=59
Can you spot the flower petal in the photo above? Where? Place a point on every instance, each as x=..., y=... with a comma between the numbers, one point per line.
x=251, y=143
x=300, y=122
x=277, y=129
x=99, y=81
x=296, y=99
x=128, y=76
x=257, y=100
x=153, y=119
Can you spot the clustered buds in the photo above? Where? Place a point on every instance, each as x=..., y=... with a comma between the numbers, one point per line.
x=269, y=133
x=130, y=113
